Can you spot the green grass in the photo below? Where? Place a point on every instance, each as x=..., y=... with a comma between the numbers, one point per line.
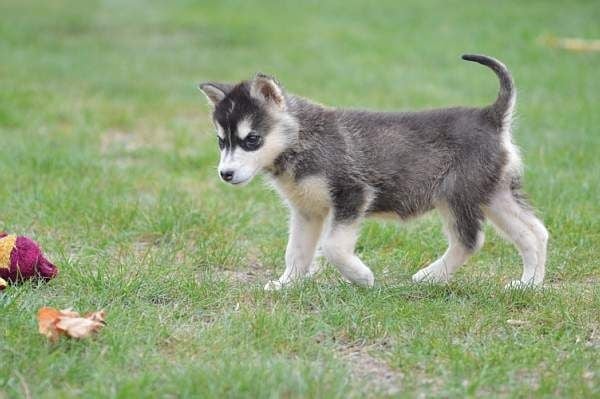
x=107, y=158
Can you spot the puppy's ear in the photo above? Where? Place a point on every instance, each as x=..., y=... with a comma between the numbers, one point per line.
x=267, y=90
x=215, y=92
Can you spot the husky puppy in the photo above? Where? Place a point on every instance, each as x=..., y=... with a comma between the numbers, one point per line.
x=335, y=167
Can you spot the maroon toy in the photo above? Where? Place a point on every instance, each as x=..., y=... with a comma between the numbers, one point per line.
x=20, y=259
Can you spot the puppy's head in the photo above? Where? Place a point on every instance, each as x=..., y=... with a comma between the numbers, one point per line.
x=253, y=126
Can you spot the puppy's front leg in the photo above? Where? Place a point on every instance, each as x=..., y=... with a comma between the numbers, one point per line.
x=305, y=231
x=338, y=247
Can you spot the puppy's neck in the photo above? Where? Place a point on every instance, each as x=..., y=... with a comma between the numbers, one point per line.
x=283, y=164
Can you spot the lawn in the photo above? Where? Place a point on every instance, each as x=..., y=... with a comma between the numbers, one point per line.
x=108, y=159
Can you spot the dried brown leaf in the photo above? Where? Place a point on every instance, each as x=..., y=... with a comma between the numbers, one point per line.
x=69, y=313
x=575, y=44
x=53, y=322
x=47, y=319
x=98, y=316
x=78, y=327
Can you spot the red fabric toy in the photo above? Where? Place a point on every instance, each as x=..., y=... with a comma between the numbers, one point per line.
x=21, y=259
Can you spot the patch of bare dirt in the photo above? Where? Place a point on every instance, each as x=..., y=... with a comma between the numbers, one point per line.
x=247, y=276
x=251, y=272
x=586, y=283
x=593, y=340
x=144, y=243
x=590, y=378
x=531, y=378
x=375, y=373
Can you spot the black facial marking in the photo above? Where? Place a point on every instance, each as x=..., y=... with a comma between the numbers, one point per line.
x=235, y=107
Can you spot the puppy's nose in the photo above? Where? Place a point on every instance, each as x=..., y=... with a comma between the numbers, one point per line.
x=227, y=175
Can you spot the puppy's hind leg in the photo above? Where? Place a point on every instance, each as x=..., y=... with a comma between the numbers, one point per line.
x=305, y=231
x=462, y=226
x=515, y=220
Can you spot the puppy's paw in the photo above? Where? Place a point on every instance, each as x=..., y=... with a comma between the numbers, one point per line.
x=367, y=279
x=273, y=285
x=431, y=274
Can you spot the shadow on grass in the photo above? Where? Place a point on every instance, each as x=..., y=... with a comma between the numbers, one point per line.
x=456, y=291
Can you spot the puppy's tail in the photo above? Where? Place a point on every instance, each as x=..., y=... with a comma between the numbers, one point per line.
x=502, y=109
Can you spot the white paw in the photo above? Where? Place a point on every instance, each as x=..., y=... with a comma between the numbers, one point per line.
x=431, y=274
x=368, y=280
x=363, y=278
x=273, y=285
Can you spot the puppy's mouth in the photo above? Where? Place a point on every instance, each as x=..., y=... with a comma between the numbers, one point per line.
x=241, y=182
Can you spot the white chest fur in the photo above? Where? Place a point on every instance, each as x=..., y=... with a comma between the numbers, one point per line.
x=310, y=194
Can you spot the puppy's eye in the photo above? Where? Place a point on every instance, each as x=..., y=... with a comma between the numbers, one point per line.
x=221, y=143
x=253, y=140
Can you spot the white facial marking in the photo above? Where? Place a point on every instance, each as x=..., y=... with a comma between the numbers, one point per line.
x=244, y=128
x=243, y=164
